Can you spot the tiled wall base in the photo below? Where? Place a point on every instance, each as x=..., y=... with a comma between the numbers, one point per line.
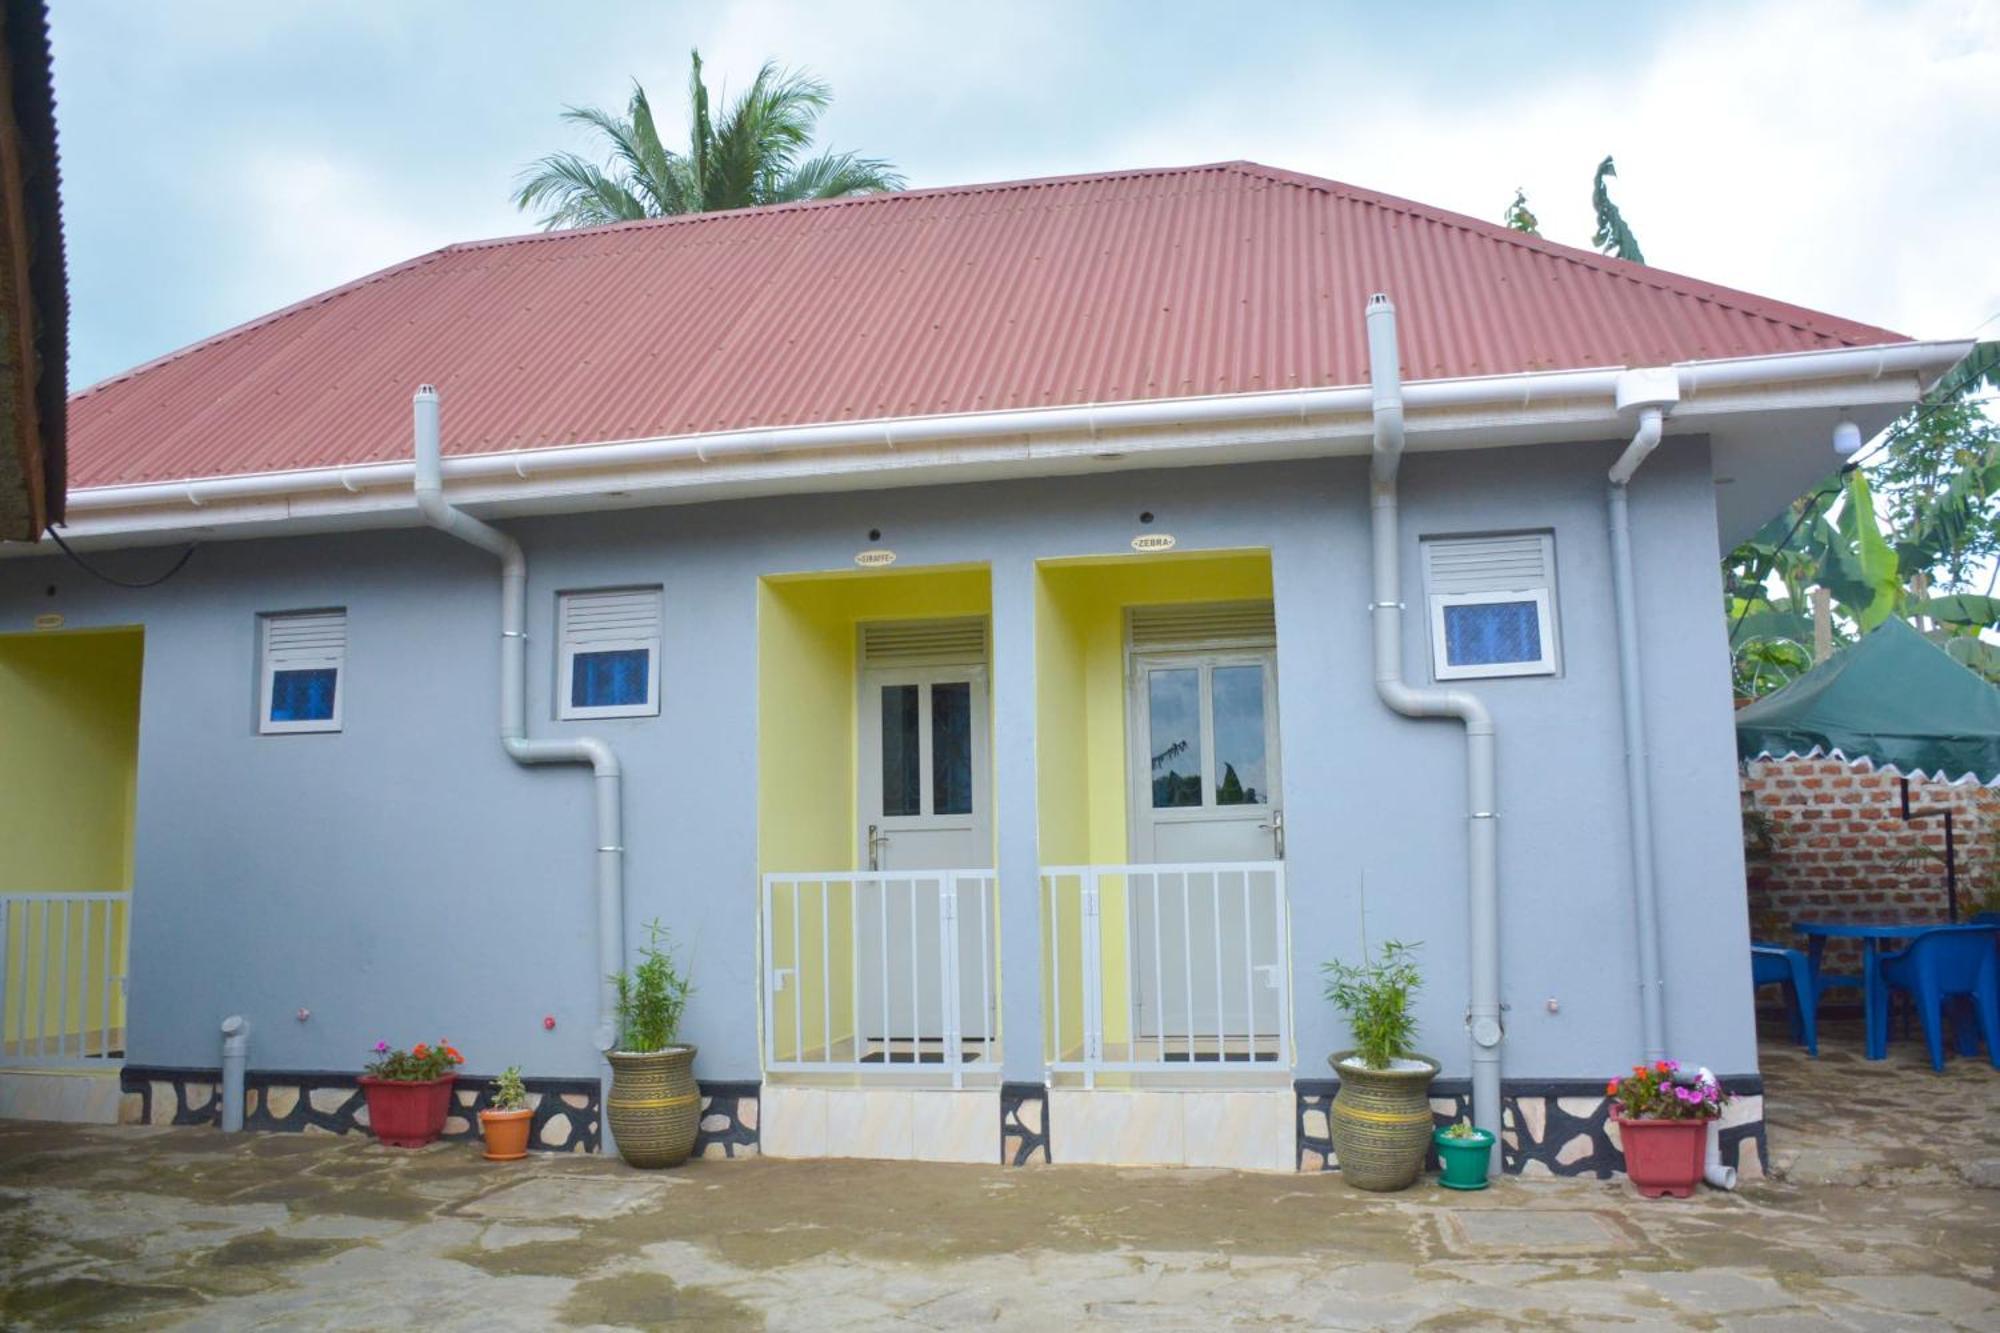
x=894, y=1124
x=1550, y=1129
x=1024, y=1124
x=1248, y=1130
x=78, y=1097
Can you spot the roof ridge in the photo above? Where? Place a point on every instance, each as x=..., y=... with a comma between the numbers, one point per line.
x=880, y=198
x=264, y=320
x=1666, y=280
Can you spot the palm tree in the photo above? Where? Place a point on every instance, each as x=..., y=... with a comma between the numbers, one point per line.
x=752, y=154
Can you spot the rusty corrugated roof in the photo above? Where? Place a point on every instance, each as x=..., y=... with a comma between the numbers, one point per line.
x=1227, y=278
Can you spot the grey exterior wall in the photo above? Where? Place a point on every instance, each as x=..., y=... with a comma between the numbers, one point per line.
x=404, y=880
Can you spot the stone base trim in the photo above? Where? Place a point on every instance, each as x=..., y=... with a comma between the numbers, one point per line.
x=1024, y=1125
x=1550, y=1128
x=331, y=1102
x=729, y=1119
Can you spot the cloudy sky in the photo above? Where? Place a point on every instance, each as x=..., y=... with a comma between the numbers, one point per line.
x=224, y=158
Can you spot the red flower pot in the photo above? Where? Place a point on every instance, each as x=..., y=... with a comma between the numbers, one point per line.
x=406, y=1113
x=1664, y=1158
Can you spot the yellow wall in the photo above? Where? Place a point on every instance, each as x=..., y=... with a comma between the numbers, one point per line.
x=1081, y=755
x=69, y=746
x=808, y=755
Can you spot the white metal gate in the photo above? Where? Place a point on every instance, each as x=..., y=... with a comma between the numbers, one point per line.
x=881, y=972
x=62, y=978
x=1181, y=968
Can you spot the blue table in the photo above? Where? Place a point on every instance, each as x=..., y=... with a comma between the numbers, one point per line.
x=1817, y=933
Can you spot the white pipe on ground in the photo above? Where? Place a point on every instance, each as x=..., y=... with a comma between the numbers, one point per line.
x=514, y=721
x=235, y=1060
x=1482, y=1014
x=1713, y=1171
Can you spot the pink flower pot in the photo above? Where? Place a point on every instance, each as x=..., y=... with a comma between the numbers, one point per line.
x=406, y=1113
x=1664, y=1157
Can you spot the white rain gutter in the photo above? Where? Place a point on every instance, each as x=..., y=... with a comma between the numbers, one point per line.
x=525, y=468
x=1650, y=392
x=1482, y=1012
x=514, y=720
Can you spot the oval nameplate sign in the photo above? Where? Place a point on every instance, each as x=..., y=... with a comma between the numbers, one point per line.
x=1153, y=541
x=875, y=559
x=49, y=621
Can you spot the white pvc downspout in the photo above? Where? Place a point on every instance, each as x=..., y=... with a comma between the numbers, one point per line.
x=1650, y=392
x=1482, y=1014
x=514, y=720
x=235, y=1061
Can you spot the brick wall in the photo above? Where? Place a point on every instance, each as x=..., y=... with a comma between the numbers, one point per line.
x=1840, y=848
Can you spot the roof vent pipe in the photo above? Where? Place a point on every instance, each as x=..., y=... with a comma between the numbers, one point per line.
x=514, y=718
x=1482, y=1014
x=1651, y=392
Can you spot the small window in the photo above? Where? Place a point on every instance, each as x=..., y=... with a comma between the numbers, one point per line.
x=610, y=662
x=1492, y=605
x=303, y=656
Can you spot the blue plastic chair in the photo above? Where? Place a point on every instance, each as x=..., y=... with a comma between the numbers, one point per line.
x=1938, y=965
x=1774, y=966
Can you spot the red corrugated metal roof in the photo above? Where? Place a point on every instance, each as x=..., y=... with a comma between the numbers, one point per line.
x=1228, y=278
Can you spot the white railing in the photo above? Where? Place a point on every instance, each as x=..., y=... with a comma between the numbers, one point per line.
x=1175, y=968
x=881, y=972
x=62, y=983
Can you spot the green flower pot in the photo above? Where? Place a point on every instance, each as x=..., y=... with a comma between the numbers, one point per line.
x=1465, y=1160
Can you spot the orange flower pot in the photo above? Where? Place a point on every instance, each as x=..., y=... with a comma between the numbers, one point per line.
x=506, y=1134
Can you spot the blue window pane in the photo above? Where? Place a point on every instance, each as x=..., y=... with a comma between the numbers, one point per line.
x=1492, y=633
x=951, y=748
x=303, y=696
x=902, y=752
x=615, y=679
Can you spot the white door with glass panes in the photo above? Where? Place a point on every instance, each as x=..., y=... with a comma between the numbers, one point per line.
x=1206, y=946
x=1205, y=757
x=924, y=806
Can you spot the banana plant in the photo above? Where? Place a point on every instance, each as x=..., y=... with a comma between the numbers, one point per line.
x=1871, y=574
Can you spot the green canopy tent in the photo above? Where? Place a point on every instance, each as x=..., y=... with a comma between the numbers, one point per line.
x=1893, y=698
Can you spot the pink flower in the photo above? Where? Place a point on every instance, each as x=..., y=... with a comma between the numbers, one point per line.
x=381, y=1048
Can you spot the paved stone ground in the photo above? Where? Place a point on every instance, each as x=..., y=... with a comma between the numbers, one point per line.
x=1885, y=1217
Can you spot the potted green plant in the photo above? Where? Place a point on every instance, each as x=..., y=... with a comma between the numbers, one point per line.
x=1662, y=1117
x=655, y=1105
x=506, y=1122
x=409, y=1092
x=1465, y=1154
x=1381, y=1121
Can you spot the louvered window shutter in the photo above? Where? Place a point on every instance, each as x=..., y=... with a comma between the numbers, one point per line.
x=1492, y=605
x=610, y=653
x=957, y=642
x=1204, y=624
x=304, y=654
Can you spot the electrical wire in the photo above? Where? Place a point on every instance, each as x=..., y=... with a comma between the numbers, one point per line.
x=115, y=582
x=1813, y=502
x=1900, y=425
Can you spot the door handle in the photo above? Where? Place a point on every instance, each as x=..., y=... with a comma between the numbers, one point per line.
x=1275, y=826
